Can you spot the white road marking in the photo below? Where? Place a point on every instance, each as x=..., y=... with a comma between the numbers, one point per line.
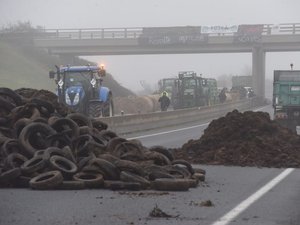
x=261, y=108
x=167, y=132
x=228, y=217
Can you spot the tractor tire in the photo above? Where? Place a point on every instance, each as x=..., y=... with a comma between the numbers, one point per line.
x=95, y=109
x=108, y=109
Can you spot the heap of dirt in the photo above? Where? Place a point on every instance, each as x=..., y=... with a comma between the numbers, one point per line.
x=244, y=139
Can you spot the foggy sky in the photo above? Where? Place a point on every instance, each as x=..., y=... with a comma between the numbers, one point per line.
x=129, y=70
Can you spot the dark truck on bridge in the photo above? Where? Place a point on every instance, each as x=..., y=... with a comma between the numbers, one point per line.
x=286, y=98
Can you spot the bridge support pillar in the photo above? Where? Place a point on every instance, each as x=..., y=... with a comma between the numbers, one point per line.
x=258, y=71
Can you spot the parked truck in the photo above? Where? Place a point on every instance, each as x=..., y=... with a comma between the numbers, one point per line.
x=81, y=89
x=286, y=98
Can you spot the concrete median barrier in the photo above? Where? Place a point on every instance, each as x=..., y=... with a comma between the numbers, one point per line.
x=141, y=122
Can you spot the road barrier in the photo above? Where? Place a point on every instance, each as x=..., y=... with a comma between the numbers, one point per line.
x=141, y=122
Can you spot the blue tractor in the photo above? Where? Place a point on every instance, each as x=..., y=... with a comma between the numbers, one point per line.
x=80, y=88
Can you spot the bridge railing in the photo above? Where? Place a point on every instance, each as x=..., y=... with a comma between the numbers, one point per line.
x=136, y=32
x=92, y=33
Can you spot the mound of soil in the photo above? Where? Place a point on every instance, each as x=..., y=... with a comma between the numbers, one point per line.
x=244, y=139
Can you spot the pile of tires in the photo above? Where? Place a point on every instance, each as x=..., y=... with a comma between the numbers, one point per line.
x=42, y=148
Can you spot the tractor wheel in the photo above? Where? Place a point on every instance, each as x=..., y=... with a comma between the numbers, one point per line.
x=108, y=109
x=95, y=109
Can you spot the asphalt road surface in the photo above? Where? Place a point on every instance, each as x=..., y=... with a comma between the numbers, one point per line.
x=240, y=196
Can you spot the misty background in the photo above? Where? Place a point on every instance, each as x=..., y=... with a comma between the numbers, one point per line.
x=132, y=70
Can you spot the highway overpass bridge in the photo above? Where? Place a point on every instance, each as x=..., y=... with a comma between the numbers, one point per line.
x=251, y=38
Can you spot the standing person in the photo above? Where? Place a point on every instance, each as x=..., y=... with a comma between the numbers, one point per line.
x=164, y=101
x=222, y=95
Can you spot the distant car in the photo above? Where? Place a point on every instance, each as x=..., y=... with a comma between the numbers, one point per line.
x=250, y=92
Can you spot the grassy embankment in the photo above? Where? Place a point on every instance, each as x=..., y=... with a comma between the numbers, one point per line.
x=24, y=66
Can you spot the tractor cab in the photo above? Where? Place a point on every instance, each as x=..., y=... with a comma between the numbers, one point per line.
x=80, y=88
x=192, y=90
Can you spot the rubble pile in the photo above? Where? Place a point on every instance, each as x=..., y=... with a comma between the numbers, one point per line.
x=45, y=146
x=244, y=139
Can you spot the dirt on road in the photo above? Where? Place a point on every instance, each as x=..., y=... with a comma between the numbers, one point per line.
x=244, y=139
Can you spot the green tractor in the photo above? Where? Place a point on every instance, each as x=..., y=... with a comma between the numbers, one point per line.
x=191, y=91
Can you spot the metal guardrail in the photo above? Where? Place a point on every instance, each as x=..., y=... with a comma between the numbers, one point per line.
x=135, y=32
x=142, y=122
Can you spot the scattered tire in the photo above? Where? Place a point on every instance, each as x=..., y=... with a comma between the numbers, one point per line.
x=130, y=166
x=14, y=160
x=6, y=107
x=45, y=107
x=112, y=143
x=66, y=124
x=22, y=181
x=90, y=180
x=166, y=184
x=34, y=135
x=199, y=176
x=193, y=182
x=10, y=175
x=108, y=170
x=99, y=125
x=107, y=134
x=120, y=185
x=47, y=180
x=19, y=125
x=80, y=119
x=11, y=95
x=163, y=150
x=127, y=176
x=51, y=151
x=71, y=185
x=199, y=170
x=64, y=165
x=11, y=146
x=35, y=164
x=158, y=174
x=184, y=163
